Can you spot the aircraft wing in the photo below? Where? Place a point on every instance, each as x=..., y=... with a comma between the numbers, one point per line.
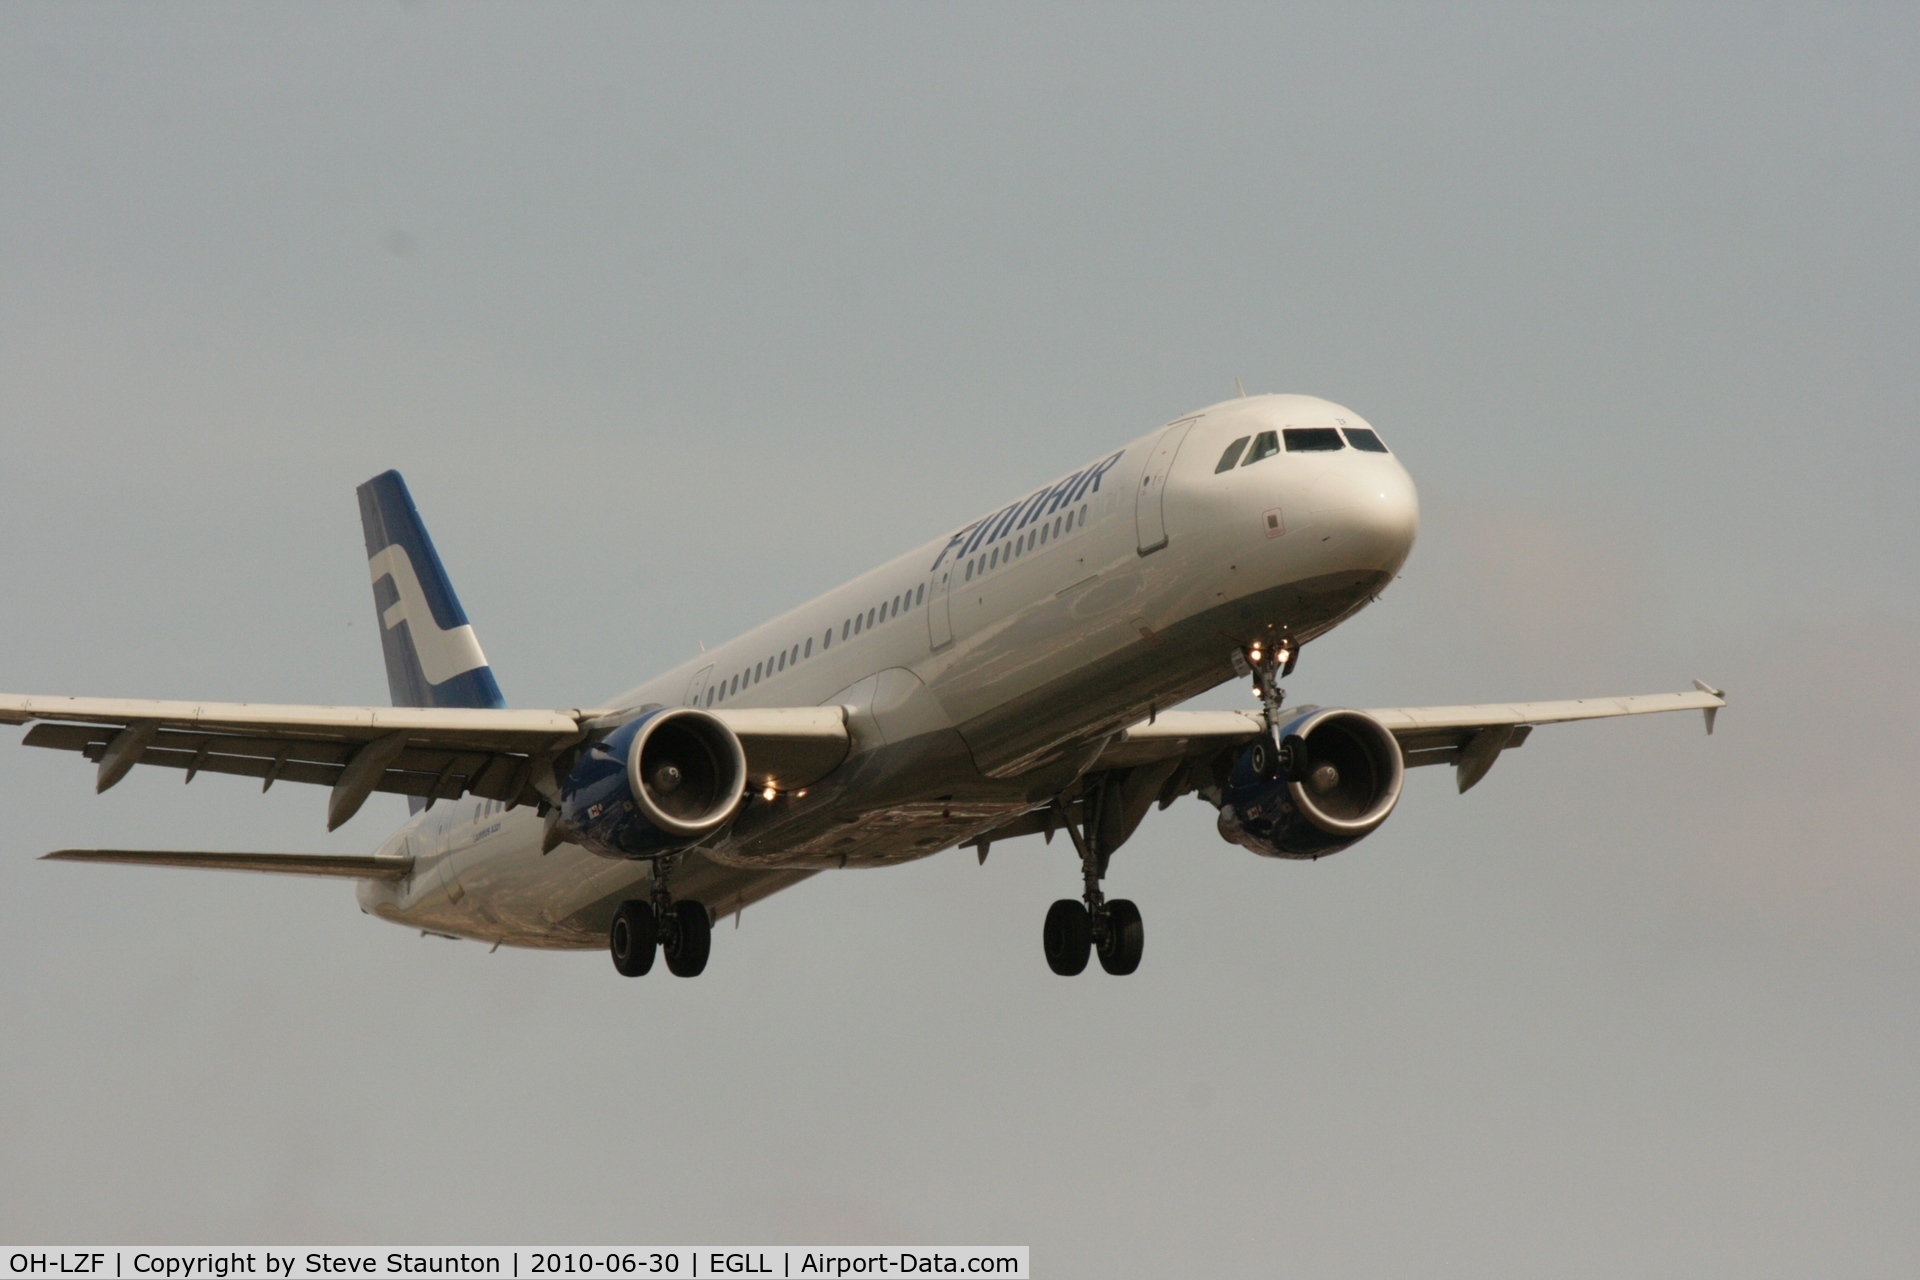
x=1470, y=738
x=439, y=753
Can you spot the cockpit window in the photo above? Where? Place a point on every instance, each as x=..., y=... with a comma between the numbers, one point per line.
x=1231, y=456
x=1265, y=445
x=1363, y=439
x=1312, y=440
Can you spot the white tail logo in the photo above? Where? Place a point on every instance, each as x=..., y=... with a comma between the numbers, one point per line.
x=443, y=654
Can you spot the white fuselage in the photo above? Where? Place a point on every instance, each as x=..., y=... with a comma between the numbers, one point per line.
x=981, y=671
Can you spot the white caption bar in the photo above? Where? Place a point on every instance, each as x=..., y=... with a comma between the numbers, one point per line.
x=517, y=1262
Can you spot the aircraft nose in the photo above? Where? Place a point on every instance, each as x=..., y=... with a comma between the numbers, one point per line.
x=1372, y=508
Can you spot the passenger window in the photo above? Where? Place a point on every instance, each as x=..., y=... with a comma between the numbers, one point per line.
x=896, y=608
x=709, y=697
x=809, y=652
x=1265, y=445
x=969, y=571
x=845, y=626
x=856, y=624
x=1365, y=440
x=1083, y=515
x=1232, y=455
x=783, y=659
x=1312, y=440
x=993, y=561
x=736, y=685
x=920, y=595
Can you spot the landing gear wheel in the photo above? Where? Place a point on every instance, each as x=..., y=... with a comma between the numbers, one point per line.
x=1124, y=939
x=692, y=940
x=631, y=938
x=1068, y=937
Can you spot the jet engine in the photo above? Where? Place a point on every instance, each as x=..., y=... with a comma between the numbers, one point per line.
x=1335, y=777
x=656, y=784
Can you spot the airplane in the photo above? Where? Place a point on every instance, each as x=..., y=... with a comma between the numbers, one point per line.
x=1021, y=675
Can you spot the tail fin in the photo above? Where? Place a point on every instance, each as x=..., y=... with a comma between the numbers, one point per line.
x=434, y=659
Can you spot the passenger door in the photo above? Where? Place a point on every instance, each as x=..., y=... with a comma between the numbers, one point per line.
x=1149, y=512
x=939, y=621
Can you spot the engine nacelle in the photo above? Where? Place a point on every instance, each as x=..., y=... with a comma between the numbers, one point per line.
x=1335, y=778
x=656, y=784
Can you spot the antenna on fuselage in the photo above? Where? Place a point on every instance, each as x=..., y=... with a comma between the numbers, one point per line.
x=1237, y=387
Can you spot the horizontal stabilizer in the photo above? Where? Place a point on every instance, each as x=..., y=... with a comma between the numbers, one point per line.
x=354, y=866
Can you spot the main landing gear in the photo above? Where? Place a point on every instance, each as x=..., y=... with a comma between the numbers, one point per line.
x=1076, y=930
x=681, y=930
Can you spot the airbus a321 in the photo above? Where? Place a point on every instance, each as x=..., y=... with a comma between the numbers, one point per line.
x=1021, y=675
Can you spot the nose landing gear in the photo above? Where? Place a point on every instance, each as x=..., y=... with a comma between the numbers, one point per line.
x=681, y=930
x=1267, y=661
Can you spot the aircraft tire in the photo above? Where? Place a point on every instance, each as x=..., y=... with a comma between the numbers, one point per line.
x=1068, y=937
x=631, y=938
x=692, y=942
x=1126, y=938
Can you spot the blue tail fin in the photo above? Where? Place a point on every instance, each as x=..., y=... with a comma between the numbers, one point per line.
x=433, y=657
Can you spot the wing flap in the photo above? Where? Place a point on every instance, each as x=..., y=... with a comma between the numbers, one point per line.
x=1179, y=733
x=789, y=746
x=354, y=866
x=418, y=771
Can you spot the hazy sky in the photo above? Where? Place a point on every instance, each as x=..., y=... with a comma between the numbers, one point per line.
x=674, y=317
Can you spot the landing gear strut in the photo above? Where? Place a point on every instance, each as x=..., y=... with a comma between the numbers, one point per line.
x=1093, y=925
x=1268, y=662
x=681, y=930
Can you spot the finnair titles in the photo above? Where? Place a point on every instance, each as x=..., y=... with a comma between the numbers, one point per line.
x=1020, y=676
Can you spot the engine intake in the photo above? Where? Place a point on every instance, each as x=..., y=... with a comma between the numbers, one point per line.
x=1335, y=778
x=657, y=783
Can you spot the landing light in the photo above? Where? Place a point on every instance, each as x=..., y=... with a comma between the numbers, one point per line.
x=769, y=793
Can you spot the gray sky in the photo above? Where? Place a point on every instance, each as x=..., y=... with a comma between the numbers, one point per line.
x=674, y=317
